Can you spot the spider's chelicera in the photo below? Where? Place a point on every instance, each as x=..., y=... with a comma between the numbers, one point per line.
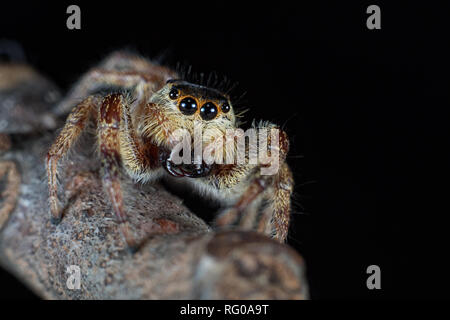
x=136, y=132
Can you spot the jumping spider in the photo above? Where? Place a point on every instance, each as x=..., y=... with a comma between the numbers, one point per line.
x=135, y=119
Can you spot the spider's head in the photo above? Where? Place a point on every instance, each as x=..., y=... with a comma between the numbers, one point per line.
x=196, y=102
x=184, y=105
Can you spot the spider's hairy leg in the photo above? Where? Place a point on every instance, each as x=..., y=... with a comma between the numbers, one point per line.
x=120, y=60
x=119, y=69
x=109, y=126
x=11, y=192
x=75, y=124
x=276, y=189
x=96, y=78
x=276, y=217
x=246, y=202
x=247, y=221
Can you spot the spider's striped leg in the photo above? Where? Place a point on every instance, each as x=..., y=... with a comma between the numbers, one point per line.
x=274, y=190
x=246, y=206
x=94, y=79
x=74, y=126
x=109, y=131
x=275, y=218
x=119, y=70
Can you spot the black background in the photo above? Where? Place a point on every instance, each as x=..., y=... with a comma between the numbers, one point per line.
x=366, y=111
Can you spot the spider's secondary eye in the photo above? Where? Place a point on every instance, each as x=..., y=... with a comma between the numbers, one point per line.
x=188, y=106
x=208, y=111
x=225, y=107
x=173, y=94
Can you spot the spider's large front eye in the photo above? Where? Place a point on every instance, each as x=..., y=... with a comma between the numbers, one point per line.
x=188, y=106
x=173, y=94
x=208, y=111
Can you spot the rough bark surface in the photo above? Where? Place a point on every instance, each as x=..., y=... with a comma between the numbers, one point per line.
x=181, y=258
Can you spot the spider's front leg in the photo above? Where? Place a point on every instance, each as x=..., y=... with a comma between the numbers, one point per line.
x=118, y=70
x=94, y=79
x=276, y=216
x=75, y=124
x=109, y=130
x=274, y=190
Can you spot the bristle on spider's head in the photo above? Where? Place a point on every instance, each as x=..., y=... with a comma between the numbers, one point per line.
x=212, y=80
